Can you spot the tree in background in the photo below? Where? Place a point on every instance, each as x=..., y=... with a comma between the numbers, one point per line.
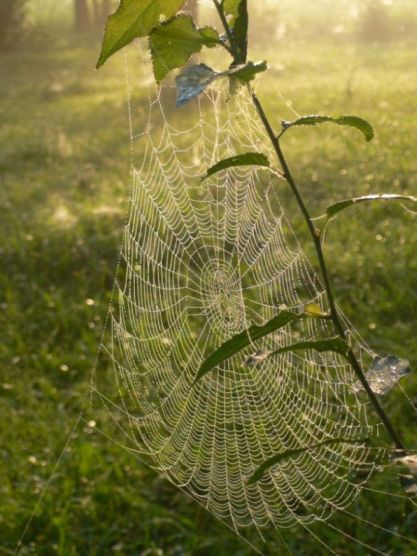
x=191, y=7
x=101, y=11
x=12, y=21
x=92, y=15
x=376, y=24
x=81, y=16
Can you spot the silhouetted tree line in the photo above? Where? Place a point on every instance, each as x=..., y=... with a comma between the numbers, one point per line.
x=11, y=21
x=90, y=15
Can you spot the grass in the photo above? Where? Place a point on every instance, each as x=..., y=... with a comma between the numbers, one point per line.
x=64, y=174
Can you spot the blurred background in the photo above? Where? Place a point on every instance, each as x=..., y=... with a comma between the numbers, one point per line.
x=64, y=177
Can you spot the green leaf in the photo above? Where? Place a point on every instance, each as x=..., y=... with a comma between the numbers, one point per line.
x=274, y=460
x=173, y=42
x=351, y=121
x=332, y=210
x=335, y=344
x=231, y=9
x=246, y=72
x=244, y=339
x=245, y=159
x=133, y=19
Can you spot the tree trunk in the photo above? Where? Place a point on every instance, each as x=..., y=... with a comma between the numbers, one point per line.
x=82, y=16
x=191, y=8
x=101, y=11
x=105, y=9
x=96, y=14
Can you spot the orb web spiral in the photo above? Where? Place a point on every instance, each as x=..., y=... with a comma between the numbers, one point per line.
x=200, y=262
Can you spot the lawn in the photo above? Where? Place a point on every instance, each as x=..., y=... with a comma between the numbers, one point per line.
x=64, y=175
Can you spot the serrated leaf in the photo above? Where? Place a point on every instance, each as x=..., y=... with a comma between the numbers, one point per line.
x=193, y=81
x=245, y=159
x=384, y=374
x=246, y=72
x=244, y=339
x=278, y=458
x=332, y=210
x=173, y=42
x=335, y=344
x=350, y=121
x=314, y=310
x=133, y=19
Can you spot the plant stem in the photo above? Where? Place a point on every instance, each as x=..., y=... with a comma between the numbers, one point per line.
x=233, y=48
x=315, y=234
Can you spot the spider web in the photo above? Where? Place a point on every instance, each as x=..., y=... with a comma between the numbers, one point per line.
x=201, y=261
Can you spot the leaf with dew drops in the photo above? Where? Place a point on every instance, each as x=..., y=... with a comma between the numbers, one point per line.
x=244, y=339
x=351, y=121
x=294, y=452
x=384, y=374
x=409, y=480
x=244, y=159
x=332, y=210
x=335, y=344
x=193, y=81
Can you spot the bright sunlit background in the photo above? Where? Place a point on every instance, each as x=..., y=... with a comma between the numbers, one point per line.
x=64, y=175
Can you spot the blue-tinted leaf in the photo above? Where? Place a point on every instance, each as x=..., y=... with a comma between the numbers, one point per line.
x=409, y=481
x=384, y=374
x=244, y=339
x=351, y=121
x=409, y=461
x=195, y=79
x=332, y=210
x=245, y=159
x=192, y=81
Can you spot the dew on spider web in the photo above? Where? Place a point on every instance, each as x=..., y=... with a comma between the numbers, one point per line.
x=200, y=262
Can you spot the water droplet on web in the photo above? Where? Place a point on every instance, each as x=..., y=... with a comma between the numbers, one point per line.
x=384, y=374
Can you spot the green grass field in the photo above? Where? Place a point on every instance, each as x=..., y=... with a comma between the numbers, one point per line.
x=64, y=175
